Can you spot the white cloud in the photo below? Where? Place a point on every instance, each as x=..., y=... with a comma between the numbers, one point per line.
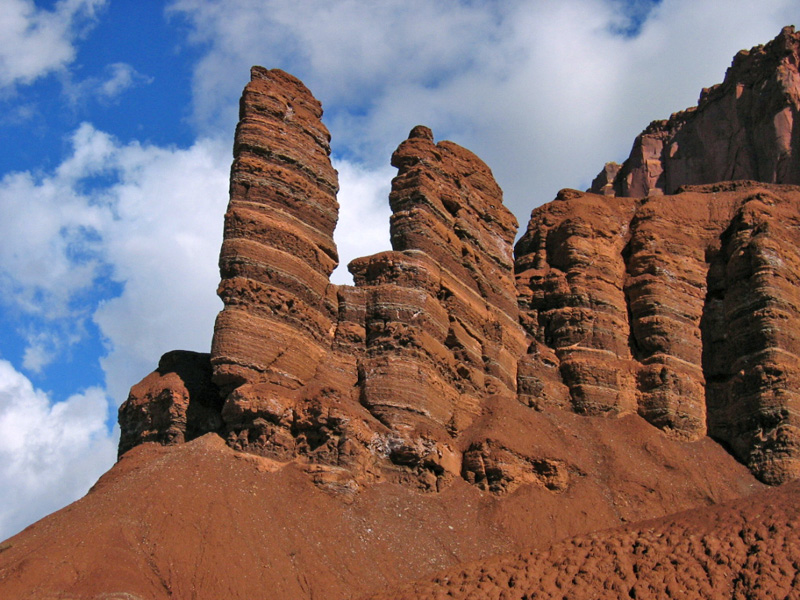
x=50, y=454
x=363, y=226
x=121, y=76
x=35, y=42
x=544, y=92
x=48, y=245
x=117, y=79
x=156, y=228
x=163, y=244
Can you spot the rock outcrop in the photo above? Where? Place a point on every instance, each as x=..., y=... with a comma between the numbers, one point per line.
x=381, y=377
x=679, y=308
x=682, y=308
x=747, y=127
x=456, y=402
x=176, y=403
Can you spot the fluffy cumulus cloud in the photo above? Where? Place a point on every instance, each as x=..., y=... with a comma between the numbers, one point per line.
x=544, y=92
x=50, y=454
x=163, y=243
x=36, y=41
x=144, y=217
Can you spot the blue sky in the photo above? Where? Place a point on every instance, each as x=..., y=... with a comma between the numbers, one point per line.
x=117, y=119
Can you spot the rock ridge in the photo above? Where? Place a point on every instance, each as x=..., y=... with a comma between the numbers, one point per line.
x=747, y=127
x=676, y=308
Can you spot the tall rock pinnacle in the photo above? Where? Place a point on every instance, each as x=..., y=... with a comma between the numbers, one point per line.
x=676, y=307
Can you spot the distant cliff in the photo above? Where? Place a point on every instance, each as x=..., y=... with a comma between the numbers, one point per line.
x=747, y=127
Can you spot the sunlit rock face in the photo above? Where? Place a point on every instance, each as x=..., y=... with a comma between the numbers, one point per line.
x=678, y=305
x=747, y=127
x=682, y=308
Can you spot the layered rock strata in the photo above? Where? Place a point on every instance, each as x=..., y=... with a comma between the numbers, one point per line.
x=381, y=377
x=747, y=127
x=679, y=308
x=682, y=308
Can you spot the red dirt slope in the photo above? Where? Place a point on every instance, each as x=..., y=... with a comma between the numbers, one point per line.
x=748, y=549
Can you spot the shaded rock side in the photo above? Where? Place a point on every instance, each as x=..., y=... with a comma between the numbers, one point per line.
x=176, y=403
x=682, y=308
x=746, y=128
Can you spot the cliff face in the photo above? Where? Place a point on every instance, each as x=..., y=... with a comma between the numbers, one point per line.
x=679, y=308
x=460, y=401
x=682, y=308
x=379, y=378
x=747, y=127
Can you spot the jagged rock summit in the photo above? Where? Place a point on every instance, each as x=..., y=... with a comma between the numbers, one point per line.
x=747, y=127
x=632, y=357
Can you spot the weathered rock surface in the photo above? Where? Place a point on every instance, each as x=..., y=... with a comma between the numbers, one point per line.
x=176, y=403
x=682, y=308
x=381, y=377
x=747, y=127
x=678, y=308
x=201, y=520
x=531, y=395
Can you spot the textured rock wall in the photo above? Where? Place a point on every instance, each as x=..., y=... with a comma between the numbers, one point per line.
x=278, y=248
x=381, y=377
x=176, y=403
x=747, y=127
x=683, y=308
x=442, y=330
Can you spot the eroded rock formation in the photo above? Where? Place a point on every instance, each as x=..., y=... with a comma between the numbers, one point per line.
x=747, y=127
x=679, y=308
x=682, y=308
x=565, y=392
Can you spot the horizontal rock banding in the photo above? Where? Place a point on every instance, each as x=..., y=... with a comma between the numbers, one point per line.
x=682, y=308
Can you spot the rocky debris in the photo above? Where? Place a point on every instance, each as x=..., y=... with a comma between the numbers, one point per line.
x=176, y=403
x=749, y=549
x=682, y=308
x=494, y=468
x=747, y=127
x=202, y=520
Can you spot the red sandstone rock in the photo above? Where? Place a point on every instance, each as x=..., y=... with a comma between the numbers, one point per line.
x=176, y=403
x=683, y=308
x=203, y=520
x=448, y=369
x=747, y=127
